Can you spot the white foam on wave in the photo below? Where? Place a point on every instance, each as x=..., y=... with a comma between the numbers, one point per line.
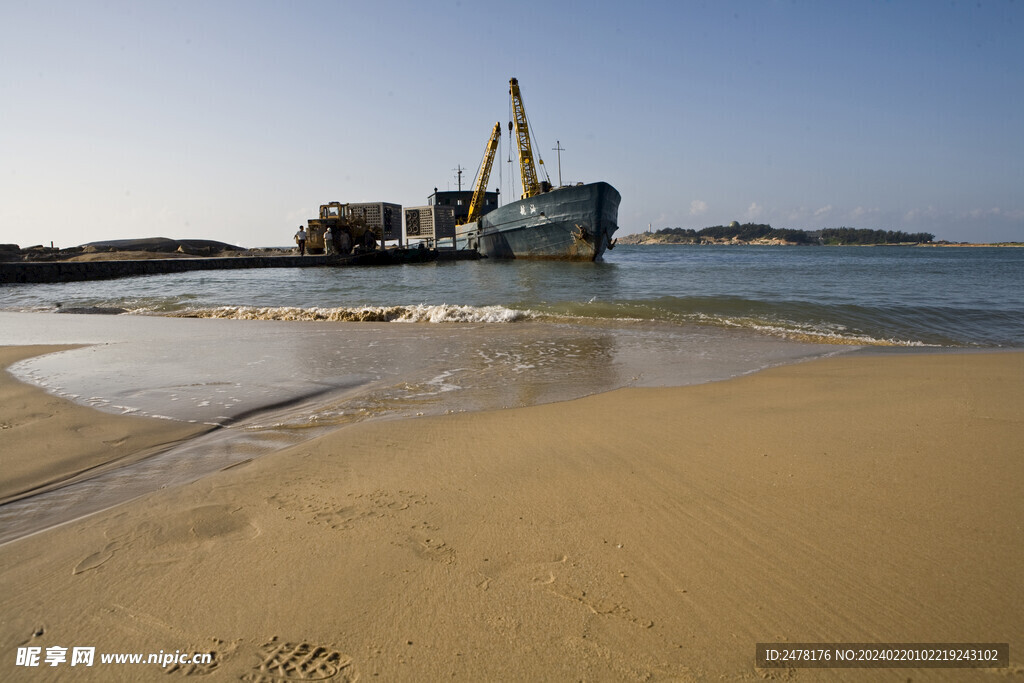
x=803, y=332
x=441, y=383
x=446, y=313
x=419, y=313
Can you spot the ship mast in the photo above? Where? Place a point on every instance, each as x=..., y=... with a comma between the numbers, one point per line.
x=558, y=148
x=527, y=168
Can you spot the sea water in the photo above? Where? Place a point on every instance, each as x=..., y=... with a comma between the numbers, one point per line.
x=954, y=296
x=279, y=355
x=485, y=334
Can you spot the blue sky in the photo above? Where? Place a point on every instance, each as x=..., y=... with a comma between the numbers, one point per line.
x=233, y=121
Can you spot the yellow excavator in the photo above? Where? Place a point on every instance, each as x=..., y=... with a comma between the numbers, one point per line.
x=480, y=188
x=347, y=231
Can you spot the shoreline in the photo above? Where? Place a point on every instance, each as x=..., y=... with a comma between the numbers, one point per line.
x=237, y=367
x=640, y=533
x=35, y=423
x=160, y=394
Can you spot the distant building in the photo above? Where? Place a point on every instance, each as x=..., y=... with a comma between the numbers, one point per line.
x=459, y=200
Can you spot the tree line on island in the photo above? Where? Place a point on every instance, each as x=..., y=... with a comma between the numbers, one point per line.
x=762, y=233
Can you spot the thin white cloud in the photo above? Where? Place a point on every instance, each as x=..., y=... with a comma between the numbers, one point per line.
x=995, y=212
x=929, y=213
x=698, y=207
x=754, y=210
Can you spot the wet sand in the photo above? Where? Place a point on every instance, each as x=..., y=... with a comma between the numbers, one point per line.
x=48, y=441
x=640, y=534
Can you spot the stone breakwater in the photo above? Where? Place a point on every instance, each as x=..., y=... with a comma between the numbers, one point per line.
x=71, y=271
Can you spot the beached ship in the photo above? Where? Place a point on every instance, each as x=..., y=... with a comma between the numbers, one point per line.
x=570, y=223
x=574, y=223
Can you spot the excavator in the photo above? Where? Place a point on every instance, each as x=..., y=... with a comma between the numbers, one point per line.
x=347, y=231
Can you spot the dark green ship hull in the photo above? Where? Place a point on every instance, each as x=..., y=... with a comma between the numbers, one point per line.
x=573, y=223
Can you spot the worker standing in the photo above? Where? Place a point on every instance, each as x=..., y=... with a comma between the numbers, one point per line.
x=300, y=239
x=328, y=241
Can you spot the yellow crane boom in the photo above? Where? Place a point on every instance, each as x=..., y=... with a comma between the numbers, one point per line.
x=527, y=169
x=480, y=188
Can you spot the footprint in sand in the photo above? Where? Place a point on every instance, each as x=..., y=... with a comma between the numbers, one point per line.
x=203, y=524
x=546, y=577
x=282, y=662
x=96, y=559
x=545, y=580
x=432, y=548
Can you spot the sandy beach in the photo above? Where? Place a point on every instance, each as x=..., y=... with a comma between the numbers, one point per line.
x=641, y=534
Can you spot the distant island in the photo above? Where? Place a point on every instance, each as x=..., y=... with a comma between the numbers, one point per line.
x=763, y=234
x=759, y=233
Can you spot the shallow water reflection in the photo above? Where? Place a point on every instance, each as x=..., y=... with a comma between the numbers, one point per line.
x=269, y=384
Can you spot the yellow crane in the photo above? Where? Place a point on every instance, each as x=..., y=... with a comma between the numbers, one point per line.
x=480, y=189
x=527, y=170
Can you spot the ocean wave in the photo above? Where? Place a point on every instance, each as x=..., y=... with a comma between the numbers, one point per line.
x=809, y=333
x=812, y=330
x=419, y=313
x=796, y=321
x=802, y=321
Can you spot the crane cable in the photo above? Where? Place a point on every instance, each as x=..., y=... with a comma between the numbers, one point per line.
x=536, y=138
x=511, y=171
